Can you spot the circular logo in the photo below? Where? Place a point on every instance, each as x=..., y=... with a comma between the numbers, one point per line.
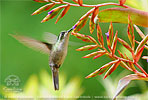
x=12, y=80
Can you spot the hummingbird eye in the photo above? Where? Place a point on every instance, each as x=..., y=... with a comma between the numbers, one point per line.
x=61, y=36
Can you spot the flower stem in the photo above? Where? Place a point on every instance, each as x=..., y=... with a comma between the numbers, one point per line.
x=98, y=5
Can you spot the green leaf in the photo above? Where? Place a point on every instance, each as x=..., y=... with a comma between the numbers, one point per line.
x=120, y=15
x=125, y=81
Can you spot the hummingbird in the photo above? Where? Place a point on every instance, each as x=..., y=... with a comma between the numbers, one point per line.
x=57, y=51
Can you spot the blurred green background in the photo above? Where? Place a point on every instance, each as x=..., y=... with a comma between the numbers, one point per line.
x=17, y=59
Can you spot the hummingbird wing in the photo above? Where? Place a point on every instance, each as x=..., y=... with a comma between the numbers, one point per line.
x=43, y=47
x=50, y=38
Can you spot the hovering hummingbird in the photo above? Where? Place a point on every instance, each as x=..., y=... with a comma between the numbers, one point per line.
x=57, y=51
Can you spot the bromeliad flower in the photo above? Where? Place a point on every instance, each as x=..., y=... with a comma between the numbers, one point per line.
x=122, y=60
x=122, y=14
x=107, y=35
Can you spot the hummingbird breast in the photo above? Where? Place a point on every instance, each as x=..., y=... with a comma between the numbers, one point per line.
x=58, y=54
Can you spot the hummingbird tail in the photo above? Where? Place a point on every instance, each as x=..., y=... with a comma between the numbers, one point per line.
x=55, y=75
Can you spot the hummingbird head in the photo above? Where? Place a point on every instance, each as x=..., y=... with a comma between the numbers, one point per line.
x=62, y=35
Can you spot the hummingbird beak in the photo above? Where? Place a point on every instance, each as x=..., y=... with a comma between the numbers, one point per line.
x=68, y=32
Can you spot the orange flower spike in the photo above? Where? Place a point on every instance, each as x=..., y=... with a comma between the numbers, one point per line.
x=43, y=8
x=132, y=66
x=99, y=55
x=142, y=43
x=91, y=55
x=84, y=38
x=95, y=12
x=126, y=56
x=112, y=68
x=91, y=22
x=99, y=35
x=92, y=39
x=139, y=53
x=130, y=32
x=91, y=26
x=80, y=24
x=75, y=1
x=110, y=31
x=53, y=13
x=114, y=44
x=87, y=47
x=101, y=70
x=139, y=32
x=80, y=2
x=63, y=13
x=121, y=55
x=122, y=2
x=125, y=44
x=108, y=40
